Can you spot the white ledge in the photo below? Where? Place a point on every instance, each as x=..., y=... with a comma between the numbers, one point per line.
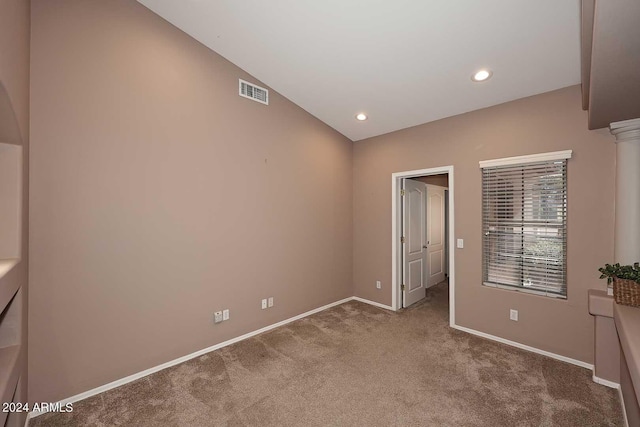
x=628, y=326
x=600, y=304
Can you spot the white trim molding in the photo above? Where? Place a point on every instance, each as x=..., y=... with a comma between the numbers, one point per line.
x=627, y=198
x=373, y=303
x=624, y=408
x=615, y=386
x=396, y=182
x=136, y=376
x=626, y=130
x=530, y=158
x=604, y=382
x=131, y=378
x=525, y=347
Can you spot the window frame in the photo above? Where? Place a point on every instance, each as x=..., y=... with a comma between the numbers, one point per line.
x=525, y=162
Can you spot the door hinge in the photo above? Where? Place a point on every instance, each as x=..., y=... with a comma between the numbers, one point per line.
x=402, y=287
x=402, y=239
x=402, y=192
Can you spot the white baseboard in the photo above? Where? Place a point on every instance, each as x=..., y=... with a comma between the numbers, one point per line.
x=376, y=304
x=136, y=376
x=525, y=347
x=130, y=378
x=616, y=386
x=604, y=382
x=624, y=408
x=576, y=362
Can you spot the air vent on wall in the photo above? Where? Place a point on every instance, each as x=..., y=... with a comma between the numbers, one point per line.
x=254, y=92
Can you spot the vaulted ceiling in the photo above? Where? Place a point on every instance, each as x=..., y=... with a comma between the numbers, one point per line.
x=403, y=63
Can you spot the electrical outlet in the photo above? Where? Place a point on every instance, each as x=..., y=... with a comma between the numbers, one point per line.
x=264, y=303
x=217, y=317
x=378, y=284
x=513, y=315
x=270, y=303
x=225, y=314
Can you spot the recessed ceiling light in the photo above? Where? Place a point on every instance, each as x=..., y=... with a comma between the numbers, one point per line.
x=482, y=75
x=361, y=116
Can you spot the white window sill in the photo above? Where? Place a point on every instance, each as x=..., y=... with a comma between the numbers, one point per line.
x=525, y=290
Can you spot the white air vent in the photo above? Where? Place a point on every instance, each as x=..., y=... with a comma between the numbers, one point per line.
x=254, y=92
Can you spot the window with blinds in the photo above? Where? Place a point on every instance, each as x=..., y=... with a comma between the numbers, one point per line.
x=524, y=220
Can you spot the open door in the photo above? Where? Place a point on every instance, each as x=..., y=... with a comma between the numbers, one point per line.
x=436, y=255
x=414, y=245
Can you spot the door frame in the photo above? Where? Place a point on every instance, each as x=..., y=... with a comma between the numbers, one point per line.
x=396, y=233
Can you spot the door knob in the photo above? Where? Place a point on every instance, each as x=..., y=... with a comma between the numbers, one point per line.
x=424, y=246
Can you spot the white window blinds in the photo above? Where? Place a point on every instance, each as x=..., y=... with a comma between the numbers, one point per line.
x=524, y=216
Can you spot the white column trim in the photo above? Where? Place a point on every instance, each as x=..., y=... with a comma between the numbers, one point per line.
x=627, y=191
x=626, y=130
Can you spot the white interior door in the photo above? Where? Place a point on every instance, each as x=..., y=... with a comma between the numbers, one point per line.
x=436, y=256
x=414, y=246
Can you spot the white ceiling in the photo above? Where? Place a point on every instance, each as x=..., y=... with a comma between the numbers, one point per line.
x=403, y=62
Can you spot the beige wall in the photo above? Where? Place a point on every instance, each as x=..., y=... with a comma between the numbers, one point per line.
x=160, y=196
x=548, y=122
x=14, y=127
x=14, y=59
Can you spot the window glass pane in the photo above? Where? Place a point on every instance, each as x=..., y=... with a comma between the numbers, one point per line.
x=524, y=226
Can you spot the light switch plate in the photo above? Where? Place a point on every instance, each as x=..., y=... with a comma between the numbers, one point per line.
x=460, y=243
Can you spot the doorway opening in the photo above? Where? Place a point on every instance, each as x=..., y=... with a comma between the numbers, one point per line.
x=423, y=235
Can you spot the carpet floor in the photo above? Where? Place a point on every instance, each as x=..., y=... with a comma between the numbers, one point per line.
x=358, y=365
